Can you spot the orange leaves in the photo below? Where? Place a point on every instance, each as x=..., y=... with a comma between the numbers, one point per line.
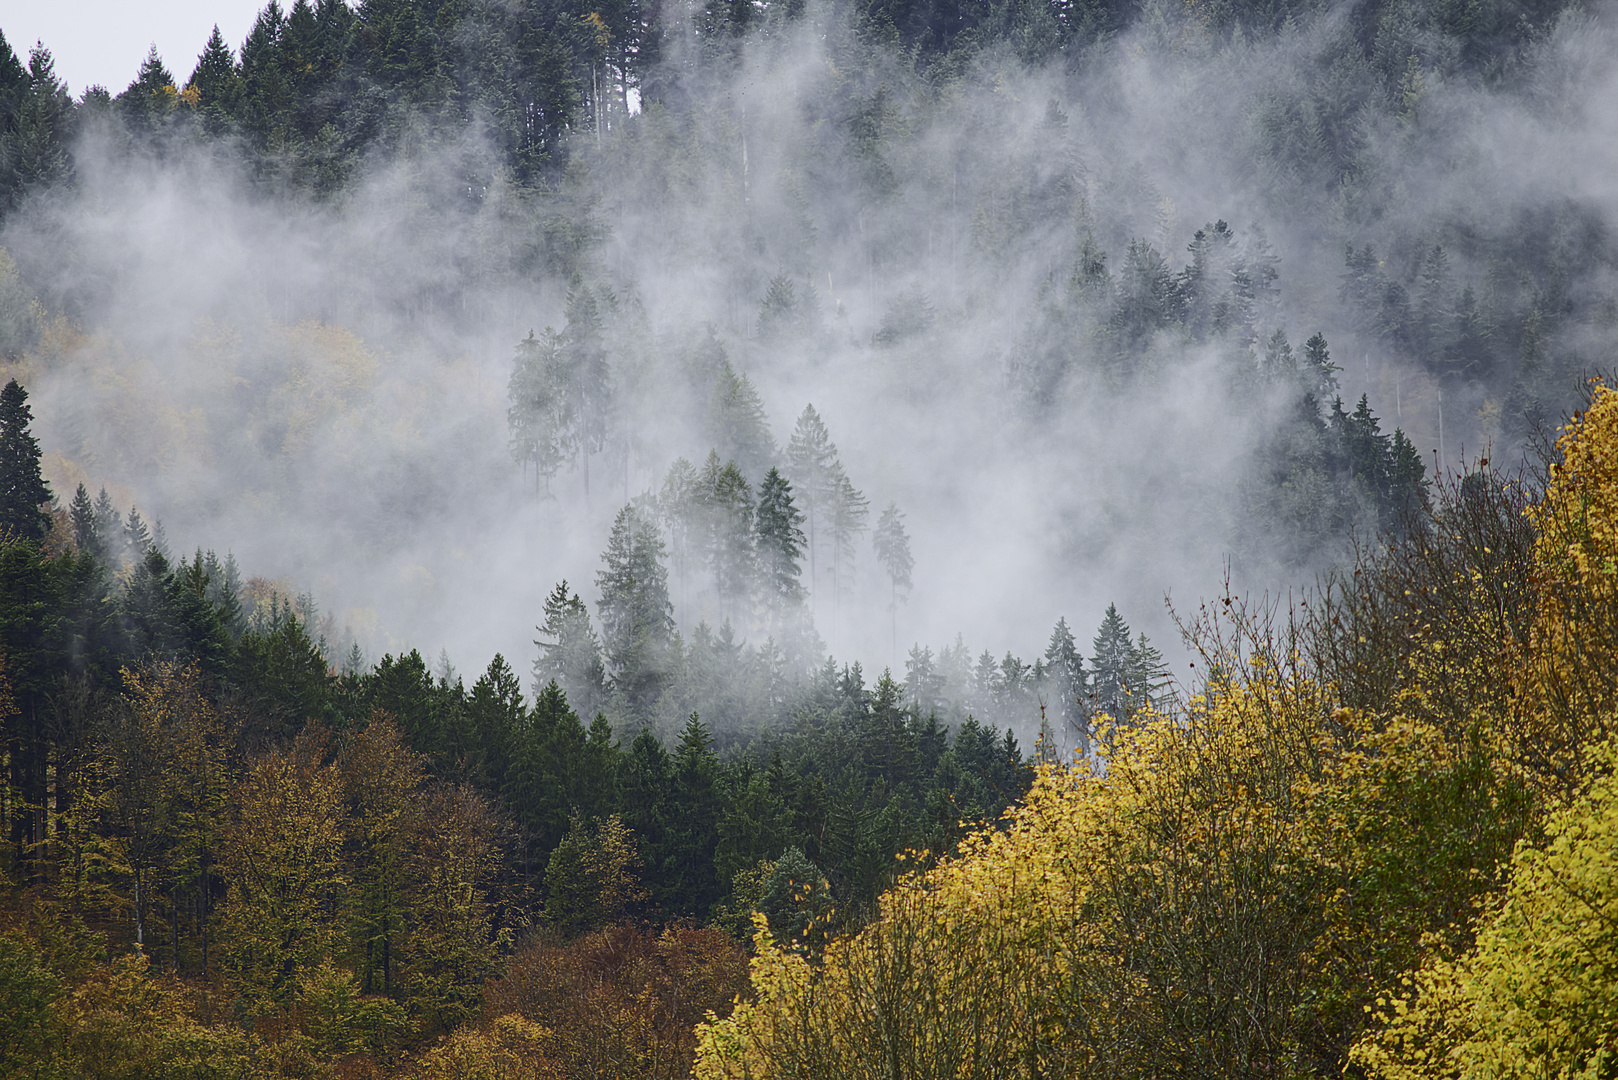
x=622, y=1001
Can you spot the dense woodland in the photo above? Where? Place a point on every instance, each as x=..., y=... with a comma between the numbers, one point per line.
x=1370, y=832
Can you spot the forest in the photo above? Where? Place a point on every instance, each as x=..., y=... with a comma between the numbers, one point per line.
x=707, y=376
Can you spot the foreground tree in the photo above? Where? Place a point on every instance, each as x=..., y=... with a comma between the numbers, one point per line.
x=24, y=495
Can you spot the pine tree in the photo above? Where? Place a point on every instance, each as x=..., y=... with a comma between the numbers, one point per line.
x=570, y=653
x=780, y=544
x=1064, y=668
x=1319, y=373
x=587, y=377
x=83, y=515
x=637, y=619
x=1110, y=660
x=811, y=465
x=727, y=516
x=151, y=97
x=109, y=525
x=541, y=416
x=33, y=153
x=137, y=537
x=216, y=79
x=679, y=508
x=893, y=552
x=24, y=495
x=847, y=510
x=741, y=432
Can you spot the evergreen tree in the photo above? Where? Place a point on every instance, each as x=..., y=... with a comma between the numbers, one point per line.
x=847, y=510
x=741, y=432
x=109, y=527
x=1064, y=668
x=152, y=96
x=137, y=537
x=679, y=507
x=83, y=515
x=636, y=617
x=728, y=542
x=1319, y=373
x=893, y=552
x=780, y=541
x=33, y=153
x=570, y=652
x=1111, y=665
x=587, y=377
x=542, y=417
x=216, y=79
x=24, y=495
x=812, y=467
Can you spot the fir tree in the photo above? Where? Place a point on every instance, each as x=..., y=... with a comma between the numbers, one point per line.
x=812, y=467
x=83, y=515
x=893, y=552
x=1064, y=667
x=570, y=652
x=780, y=542
x=24, y=495
x=216, y=79
x=637, y=619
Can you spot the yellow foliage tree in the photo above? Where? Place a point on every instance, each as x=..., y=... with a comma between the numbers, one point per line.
x=282, y=859
x=1538, y=994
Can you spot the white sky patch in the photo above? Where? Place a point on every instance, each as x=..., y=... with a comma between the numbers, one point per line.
x=104, y=41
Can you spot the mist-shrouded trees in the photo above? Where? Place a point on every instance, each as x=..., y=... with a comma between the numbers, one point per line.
x=637, y=619
x=812, y=467
x=541, y=415
x=1125, y=675
x=781, y=541
x=892, y=546
x=1069, y=683
x=570, y=652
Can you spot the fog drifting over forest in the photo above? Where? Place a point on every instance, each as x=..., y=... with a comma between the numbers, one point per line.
x=320, y=387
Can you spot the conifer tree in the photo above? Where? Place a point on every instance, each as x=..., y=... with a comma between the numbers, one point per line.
x=216, y=79
x=728, y=544
x=24, y=495
x=780, y=543
x=570, y=652
x=541, y=416
x=740, y=429
x=83, y=515
x=587, y=378
x=1110, y=668
x=893, y=552
x=637, y=619
x=811, y=465
x=1064, y=668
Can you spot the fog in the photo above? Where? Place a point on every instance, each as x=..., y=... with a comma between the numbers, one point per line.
x=320, y=386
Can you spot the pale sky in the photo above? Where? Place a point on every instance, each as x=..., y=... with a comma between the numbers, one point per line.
x=104, y=41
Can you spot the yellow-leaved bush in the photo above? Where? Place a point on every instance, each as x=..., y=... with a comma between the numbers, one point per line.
x=1536, y=995
x=1159, y=915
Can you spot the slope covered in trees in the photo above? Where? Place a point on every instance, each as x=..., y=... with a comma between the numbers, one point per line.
x=1378, y=839
x=731, y=348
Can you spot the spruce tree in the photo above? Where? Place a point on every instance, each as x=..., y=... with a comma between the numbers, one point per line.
x=1064, y=667
x=24, y=495
x=215, y=79
x=637, y=620
x=570, y=652
x=83, y=515
x=780, y=543
x=893, y=552
x=1110, y=660
x=811, y=465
